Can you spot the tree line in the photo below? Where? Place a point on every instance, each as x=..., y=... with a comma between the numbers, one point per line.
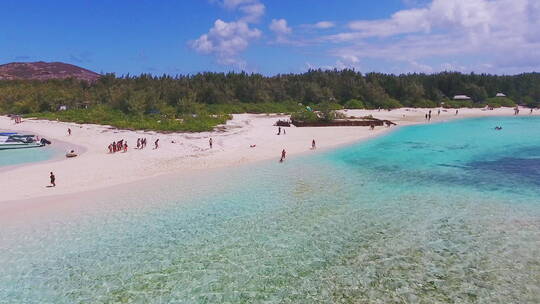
x=231, y=92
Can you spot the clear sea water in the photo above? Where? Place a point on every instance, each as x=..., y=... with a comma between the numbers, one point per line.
x=441, y=213
x=23, y=156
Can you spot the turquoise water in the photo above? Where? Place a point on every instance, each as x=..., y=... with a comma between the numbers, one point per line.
x=443, y=213
x=23, y=156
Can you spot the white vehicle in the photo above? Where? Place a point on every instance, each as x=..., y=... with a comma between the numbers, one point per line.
x=18, y=141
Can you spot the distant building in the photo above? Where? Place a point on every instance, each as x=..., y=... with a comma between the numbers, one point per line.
x=500, y=95
x=462, y=97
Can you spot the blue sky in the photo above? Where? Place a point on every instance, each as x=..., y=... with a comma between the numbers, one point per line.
x=275, y=36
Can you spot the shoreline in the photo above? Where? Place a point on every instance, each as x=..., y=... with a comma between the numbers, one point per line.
x=60, y=148
x=182, y=153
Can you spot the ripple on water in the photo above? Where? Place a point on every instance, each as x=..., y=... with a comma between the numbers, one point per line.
x=319, y=229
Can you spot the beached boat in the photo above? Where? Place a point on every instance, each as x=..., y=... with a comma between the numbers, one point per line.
x=19, y=141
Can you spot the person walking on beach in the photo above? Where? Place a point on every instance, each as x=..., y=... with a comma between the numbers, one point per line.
x=53, y=180
x=210, y=142
x=125, y=147
x=138, y=143
x=279, y=131
x=313, y=146
x=69, y=132
x=439, y=112
x=457, y=112
x=283, y=155
x=156, y=144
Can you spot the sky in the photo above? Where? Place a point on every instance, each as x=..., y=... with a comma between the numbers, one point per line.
x=274, y=36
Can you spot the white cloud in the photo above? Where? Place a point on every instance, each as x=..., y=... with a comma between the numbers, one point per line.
x=233, y=4
x=226, y=40
x=407, y=21
x=324, y=25
x=253, y=12
x=280, y=27
x=504, y=32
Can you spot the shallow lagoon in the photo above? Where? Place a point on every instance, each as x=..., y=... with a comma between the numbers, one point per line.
x=435, y=214
x=12, y=157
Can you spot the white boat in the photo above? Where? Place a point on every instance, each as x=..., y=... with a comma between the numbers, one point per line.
x=18, y=141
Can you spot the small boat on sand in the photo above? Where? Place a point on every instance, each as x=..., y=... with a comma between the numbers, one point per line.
x=71, y=154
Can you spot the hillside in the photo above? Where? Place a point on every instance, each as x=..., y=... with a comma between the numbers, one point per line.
x=44, y=71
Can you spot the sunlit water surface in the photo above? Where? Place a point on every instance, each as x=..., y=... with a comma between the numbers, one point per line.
x=443, y=213
x=12, y=157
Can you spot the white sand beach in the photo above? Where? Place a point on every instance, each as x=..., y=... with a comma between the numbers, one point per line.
x=182, y=153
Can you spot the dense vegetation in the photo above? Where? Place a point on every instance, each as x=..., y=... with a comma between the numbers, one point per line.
x=199, y=102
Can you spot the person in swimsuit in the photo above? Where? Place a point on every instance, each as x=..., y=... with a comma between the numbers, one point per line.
x=53, y=180
x=156, y=144
x=313, y=146
x=210, y=142
x=283, y=155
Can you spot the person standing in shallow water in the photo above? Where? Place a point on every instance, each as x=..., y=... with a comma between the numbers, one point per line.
x=313, y=146
x=53, y=180
x=283, y=155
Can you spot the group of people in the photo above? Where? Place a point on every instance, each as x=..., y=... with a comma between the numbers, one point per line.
x=279, y=131
x=284, y=153
x=428, y=115
x=122, y=145
x=17, y=119
x=118, y=146
x=141, y=143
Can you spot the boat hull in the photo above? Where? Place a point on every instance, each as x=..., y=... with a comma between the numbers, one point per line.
x=19, y=146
